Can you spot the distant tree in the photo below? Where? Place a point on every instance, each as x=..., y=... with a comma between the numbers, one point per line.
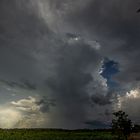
x=121, y=124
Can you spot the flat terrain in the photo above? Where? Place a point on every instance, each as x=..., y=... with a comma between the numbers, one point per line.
x=48, y=134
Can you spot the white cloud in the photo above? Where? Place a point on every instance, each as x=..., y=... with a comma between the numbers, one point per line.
x=29, y=104
x=130, y=103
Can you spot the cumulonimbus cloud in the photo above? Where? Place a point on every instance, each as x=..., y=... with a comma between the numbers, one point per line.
x=58, y=48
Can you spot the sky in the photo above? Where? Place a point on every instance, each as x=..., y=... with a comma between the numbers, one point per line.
x=68, y=63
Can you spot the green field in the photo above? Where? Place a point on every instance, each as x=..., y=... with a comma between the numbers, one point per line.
x=48, y=134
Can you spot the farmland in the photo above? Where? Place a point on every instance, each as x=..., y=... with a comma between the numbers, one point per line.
x=54, y=134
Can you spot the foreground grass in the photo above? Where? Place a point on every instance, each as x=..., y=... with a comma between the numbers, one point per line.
x=46, y=134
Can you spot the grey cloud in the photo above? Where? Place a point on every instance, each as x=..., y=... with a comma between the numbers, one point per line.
x=107, y=112
x=115, y=24
x=33, y=52
x=22, y=31
x=100, y=99
x=46, y=104
x=52, y=52
x=29, y=85
x=25, y=84
x=74, y=72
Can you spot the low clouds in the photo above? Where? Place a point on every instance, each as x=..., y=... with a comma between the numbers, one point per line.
x=22, y=84
x=33, y=105
x=30, y=112
x=27, y=105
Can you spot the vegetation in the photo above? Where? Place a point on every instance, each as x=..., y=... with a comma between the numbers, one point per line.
x=46, y=134
x=121, y=124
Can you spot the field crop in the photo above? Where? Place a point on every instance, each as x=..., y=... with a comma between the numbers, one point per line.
x=46, y=134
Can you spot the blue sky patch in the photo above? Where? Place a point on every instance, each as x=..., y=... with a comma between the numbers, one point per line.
x=110, y=68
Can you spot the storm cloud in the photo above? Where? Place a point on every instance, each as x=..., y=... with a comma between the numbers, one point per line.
x=56, y=49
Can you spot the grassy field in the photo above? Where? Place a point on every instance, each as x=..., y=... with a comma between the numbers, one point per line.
x=46, y=134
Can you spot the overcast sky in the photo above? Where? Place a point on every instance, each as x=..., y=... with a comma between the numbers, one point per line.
x=68, y=63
